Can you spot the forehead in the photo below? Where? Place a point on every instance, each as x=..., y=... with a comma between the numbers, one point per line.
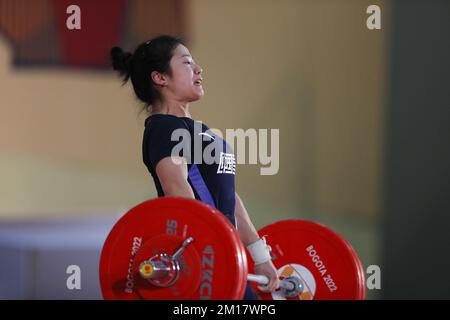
x=181, y=51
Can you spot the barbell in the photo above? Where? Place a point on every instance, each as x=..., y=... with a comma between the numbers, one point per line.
x=178, y=248
x=164, y=269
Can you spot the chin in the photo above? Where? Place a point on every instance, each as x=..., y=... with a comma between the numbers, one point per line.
x=196, y=99
x=197, y=96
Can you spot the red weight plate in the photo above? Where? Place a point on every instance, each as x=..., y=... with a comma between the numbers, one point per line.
x=326, y=263
x=222, y=258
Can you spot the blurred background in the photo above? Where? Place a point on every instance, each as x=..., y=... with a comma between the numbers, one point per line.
x=363, y=118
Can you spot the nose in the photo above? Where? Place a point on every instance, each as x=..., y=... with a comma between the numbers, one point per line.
x=198, y=69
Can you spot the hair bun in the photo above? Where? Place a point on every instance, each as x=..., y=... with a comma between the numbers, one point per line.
x=121, y=61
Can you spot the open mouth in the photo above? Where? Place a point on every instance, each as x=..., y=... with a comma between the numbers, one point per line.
x=198, y=82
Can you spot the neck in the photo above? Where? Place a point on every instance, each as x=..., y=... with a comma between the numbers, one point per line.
x=177, y=109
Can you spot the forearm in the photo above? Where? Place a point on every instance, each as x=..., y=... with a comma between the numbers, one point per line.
x=246, y=230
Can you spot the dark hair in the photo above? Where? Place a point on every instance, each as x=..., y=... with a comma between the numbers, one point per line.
x=153, y=55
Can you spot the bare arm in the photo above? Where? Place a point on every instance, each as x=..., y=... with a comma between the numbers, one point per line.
x=173, y=177
x=246, y=230
x=249, y=235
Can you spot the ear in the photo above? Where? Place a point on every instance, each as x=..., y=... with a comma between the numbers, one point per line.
x=159, y=79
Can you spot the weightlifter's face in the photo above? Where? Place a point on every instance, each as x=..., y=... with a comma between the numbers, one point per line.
x=185, y=83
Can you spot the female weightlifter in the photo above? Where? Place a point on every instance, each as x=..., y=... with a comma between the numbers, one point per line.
x=166, y=78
